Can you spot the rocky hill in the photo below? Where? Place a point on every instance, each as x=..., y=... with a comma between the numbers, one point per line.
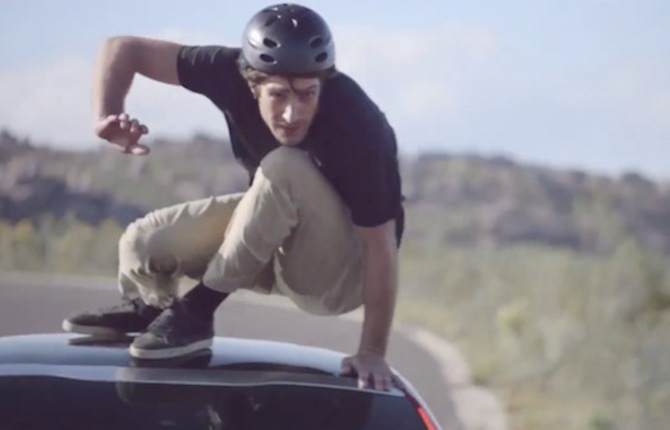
x=452, y=200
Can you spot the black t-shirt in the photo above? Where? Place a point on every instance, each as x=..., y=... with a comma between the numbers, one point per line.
x=349, y=140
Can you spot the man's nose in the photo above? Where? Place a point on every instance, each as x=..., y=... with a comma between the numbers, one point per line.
x=291, y=112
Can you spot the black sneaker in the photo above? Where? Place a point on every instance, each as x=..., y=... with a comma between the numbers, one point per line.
x=132, y=316
x=175, y=333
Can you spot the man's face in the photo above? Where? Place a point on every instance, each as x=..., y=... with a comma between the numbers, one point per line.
x=288, y=106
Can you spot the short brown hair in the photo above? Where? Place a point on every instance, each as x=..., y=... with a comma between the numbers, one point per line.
x=255, y=77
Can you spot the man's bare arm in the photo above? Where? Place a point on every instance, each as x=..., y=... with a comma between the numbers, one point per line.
x=380, y=286
x=119, y=59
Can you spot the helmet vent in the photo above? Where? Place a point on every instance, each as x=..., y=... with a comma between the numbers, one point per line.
x=271, y=20
x=316, y=42
x=269, y=59
x=270, y=43
x=321, y=57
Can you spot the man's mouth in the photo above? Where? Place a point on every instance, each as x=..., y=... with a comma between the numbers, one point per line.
x=289, y=129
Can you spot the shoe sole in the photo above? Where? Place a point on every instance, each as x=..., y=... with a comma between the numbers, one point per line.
x=158, y=354
x=91, y=330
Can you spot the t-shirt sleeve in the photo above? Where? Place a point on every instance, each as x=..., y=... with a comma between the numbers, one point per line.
x=210, y=71
x=372, y=183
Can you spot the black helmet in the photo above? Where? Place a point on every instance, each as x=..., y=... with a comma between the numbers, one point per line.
x=288, y=39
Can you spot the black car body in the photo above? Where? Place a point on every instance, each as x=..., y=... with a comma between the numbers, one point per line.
x=64, y=381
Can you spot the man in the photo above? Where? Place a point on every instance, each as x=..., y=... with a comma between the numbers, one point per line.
x=321, y=221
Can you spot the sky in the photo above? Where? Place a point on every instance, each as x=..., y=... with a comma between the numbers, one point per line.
x=578, y=84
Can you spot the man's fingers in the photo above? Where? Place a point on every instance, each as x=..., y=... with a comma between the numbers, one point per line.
x=110, y=119
x=134, y=126
x=124, y=122
x=363, y=379
x=123, y=131
x=103, y=125
x=139, y=149
x=138, y=128
x=135, y=149
x=383, y=382
x=347, y=367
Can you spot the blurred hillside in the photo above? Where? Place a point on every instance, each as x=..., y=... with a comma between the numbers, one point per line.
x=555, y=283
x=453, y=201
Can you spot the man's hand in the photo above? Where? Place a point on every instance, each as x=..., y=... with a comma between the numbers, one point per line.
x=370, y=368
x=123, y=131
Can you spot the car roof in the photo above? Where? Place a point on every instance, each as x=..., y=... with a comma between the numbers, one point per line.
x=89, y=358
x=72, y=349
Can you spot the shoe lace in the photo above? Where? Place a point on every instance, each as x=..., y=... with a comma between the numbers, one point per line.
x=125, y=305
x=163, y=324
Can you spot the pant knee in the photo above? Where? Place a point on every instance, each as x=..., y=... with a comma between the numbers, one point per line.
x=284, y=163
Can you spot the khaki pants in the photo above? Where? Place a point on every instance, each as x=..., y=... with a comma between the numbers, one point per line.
x=289, y=234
